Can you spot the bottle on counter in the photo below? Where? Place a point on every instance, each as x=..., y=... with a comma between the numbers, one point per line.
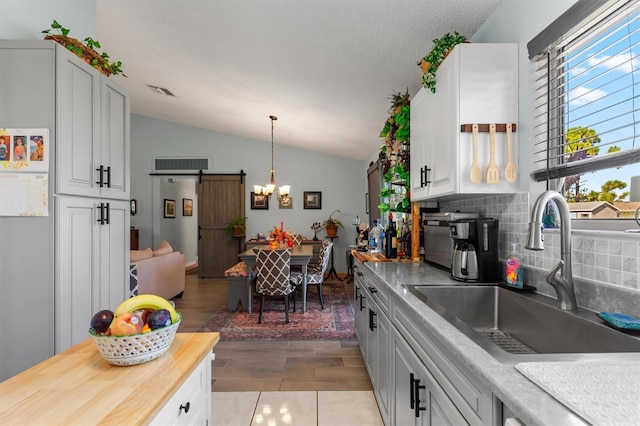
x=513, y=269
x=374, y=237
x=391, y=242
x=381, y=239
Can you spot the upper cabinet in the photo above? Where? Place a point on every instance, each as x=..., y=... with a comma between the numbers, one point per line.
x=93, y=132
x=476, y=84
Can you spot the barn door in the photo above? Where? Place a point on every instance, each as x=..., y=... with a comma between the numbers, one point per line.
x=220, y=199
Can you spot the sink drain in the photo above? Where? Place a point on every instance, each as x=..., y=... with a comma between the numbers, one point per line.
x=504, y=341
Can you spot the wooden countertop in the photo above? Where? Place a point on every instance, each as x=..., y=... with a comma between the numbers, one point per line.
x=77, y=386
x=365, y=256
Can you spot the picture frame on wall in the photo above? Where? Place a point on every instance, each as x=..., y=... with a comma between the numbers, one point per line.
x=285, y=203
x=169, y=208
x=259, y=201
x=187, y=207
x=312, y=200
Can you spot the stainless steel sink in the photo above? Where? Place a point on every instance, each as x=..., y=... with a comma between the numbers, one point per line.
x=507, y=323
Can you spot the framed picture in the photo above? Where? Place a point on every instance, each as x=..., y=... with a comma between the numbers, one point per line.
x=286, y=203
x=187, y=207
x=312, y=200
x=259, y=202
x=169, y=208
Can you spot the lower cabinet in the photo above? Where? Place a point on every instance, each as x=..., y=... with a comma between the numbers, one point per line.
x=418, y=399
x=93, y=265
x=191, y=404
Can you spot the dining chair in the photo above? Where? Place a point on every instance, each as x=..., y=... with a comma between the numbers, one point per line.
x=273, y=277
x=315, y=273
x=297, y=239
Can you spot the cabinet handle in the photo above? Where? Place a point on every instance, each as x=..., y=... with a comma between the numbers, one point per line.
x=356, y=288
x=101, y=218
x=372, y=317
x=361, y=297
x=185, y=407
x=107, y=215
x=426, y=175
x=421, y=182
x=100, y=171
x=373, y=290
x=416, y=392
x=412, y=402
x=360, y=274
x=108, y=176
x=199, y=234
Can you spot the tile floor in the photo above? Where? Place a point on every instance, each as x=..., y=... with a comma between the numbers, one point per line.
x=320, y=408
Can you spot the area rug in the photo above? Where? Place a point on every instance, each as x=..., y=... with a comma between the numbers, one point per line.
x=334, y=322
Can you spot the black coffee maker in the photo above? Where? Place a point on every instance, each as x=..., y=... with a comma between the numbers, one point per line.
x=475, y=250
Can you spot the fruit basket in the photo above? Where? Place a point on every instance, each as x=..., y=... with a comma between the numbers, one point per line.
x=137, y=348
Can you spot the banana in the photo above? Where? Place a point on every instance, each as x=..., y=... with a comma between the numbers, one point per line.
x=143, y=301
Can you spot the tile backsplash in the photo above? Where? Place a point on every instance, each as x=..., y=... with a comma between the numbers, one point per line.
x=606, y=265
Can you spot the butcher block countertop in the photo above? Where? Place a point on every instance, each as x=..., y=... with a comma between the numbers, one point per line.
x=77, y=386
x=365, y=256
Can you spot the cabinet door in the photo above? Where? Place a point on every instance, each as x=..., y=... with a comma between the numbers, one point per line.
x=442, y=130
x=78, y=134
x=78, y=268
x=383, y=392
x=419, y=136
x=115, y=140
x=419, y=399
x=360, y=309
x=114, y=255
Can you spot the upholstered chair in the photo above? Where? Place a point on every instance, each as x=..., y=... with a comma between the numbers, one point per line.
x=273, y=277
x=315, y=273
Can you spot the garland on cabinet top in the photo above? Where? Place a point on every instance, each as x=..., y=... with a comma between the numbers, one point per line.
x=395, y=153
x=431, y=61
x=85, y=50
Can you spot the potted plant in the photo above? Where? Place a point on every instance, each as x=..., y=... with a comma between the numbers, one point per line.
x=332, y=225
x=432, y=60
x=86, y=51
x=238, y=226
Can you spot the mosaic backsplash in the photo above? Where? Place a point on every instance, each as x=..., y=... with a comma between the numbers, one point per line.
x=601, y=260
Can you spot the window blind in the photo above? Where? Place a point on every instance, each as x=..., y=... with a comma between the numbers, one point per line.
x=586, y=95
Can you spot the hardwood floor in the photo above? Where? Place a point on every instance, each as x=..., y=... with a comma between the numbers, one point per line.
x=270, y=365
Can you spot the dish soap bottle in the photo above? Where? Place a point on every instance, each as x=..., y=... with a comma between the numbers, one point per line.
x=513, y=269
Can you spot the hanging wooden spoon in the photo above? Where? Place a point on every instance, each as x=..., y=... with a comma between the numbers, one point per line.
x=475, y=174
x=510, y=173
x=492, y=167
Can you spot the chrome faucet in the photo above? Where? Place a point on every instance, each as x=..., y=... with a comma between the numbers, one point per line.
x=562, y=284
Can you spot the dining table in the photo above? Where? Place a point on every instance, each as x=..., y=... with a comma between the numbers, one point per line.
x=300, y=255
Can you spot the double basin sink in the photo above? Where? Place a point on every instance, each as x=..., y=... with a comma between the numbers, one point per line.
x=516, y=326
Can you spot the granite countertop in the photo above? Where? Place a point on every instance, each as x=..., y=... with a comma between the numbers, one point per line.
x=528, y=401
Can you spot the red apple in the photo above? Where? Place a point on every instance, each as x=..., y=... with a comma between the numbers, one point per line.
x=126, y=324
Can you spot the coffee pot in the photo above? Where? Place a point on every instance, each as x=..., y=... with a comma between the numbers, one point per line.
x=475, y=250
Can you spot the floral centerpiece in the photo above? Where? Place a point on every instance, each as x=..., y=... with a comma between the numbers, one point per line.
x=278, y=236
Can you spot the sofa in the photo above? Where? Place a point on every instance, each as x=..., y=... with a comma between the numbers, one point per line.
x=160, y=271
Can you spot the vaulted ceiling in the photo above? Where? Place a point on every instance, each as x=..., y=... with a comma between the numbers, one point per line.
x=325, y=68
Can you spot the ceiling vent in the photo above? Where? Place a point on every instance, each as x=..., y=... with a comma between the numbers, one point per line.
x=180, y=164
x=161, y=90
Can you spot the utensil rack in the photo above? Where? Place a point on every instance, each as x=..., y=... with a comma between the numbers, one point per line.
x=484, y=128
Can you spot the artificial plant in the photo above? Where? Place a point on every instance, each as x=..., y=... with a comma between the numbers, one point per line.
x=432, y=60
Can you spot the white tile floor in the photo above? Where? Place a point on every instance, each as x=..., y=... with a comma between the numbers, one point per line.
x=319, y=408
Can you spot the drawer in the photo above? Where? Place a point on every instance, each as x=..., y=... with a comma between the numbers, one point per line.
x=191, y=404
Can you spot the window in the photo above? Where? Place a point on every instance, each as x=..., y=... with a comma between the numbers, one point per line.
x=586, y=108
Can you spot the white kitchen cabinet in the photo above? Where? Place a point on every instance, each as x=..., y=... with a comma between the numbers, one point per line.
x=60, y=265
x=373, y=328
x=93, y=133
x=92, y=268
x=418, y=398
x=191, y=404
x=477, y=83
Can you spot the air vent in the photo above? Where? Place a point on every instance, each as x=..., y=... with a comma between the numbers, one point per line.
x=161, y=90
x=180, y=164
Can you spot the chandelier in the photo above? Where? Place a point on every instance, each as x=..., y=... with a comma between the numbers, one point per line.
x=270, y=188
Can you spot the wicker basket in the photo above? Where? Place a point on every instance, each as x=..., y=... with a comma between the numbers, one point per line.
x=84, y=52
x=138, y=348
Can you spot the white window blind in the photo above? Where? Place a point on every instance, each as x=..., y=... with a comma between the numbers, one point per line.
x=586, y=100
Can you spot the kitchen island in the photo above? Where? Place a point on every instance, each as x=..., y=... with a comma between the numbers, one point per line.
x=78, y=387
x=475, y=384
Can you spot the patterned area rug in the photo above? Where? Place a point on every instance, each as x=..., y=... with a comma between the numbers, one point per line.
x=334, y=322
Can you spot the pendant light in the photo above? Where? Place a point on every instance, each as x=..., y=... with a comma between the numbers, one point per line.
x=270, y=188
